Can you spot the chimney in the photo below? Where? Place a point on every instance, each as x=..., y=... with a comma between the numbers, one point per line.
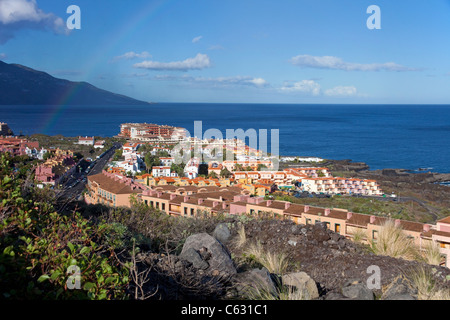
x=287, y=205
x=269, y=202
x=327, y=211
x=200, y=201
x=224, y=205
x=306, y=209
x=349, y=215
x=186, y=198
x=159, y=194
x=237, y=198
x=372, y=219
x=426, y=227
x=215, y=203
x=173, y=196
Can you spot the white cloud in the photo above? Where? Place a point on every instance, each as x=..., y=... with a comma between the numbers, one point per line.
x=219, y=81
x=197, y=39
x=133, y=55
x=200, y=61
x=335, y=63
x=237, y=80
x=216, y=47
x=304, y=86
x=341, y=91
x=25, y=14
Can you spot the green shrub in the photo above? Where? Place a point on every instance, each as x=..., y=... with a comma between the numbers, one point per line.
x=40, y=249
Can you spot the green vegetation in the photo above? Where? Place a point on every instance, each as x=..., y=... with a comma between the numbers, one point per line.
x=38, y=246
x=47, y=249
x=392, y=209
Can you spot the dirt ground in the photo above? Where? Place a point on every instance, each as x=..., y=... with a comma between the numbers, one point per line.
x=327, y=257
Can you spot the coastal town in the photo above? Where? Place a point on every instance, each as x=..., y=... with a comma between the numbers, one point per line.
x=144, y=168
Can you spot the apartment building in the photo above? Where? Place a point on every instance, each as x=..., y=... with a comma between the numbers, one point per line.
x=16, y=146
x=111, y=190
x=151, y=132
x=335, y=185
x=53, y=169
x=88, y=141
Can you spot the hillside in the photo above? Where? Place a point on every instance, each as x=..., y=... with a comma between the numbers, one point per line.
x=20, y=85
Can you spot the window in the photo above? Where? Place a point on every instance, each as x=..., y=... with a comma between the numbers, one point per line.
x=163, y=206
x=185, y=211
x=192, y=211
x=327, y=224
x=308, y=221
x=442, y=244
x=337, y=228
x=375, y=234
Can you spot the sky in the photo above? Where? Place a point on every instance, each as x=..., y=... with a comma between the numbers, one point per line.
x=245, y=51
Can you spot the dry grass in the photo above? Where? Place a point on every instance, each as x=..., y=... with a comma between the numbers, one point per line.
x=427, y=287
x=282, y=293
x=274, y=262
x=431, y=254
x=393, y=242
x=241, y=238
x=359, y=236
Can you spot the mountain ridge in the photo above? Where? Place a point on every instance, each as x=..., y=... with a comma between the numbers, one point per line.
x=22, y=85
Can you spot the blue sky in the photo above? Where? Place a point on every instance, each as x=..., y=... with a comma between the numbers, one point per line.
x=285, y=51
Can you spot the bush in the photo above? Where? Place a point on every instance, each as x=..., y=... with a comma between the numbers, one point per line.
x=44, y=254
x=393, y=242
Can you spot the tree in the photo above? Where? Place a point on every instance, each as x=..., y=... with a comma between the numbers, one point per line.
x=261, y=167
x=151, y=161
x=117, y=155
x=46, y=156
x=213, y=175
x=225, y=173
x=178, y=168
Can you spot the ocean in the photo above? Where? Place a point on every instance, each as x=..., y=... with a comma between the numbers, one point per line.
x=383, y=136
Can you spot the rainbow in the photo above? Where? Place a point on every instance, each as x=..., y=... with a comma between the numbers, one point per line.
x=149, y=12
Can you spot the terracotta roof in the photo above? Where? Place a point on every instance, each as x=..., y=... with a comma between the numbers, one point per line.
x=445, y=220
x=111, y=185
x=359, y=219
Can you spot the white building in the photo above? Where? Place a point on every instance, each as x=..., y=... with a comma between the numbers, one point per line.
x=99, y=144
x=36, y=154
x=89, y=141
x=167, y=161
x=191, y=168
x=161, y=171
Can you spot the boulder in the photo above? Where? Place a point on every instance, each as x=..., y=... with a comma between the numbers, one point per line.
x=400, y=289
x=250, y=283
x=222, y=233
x=357, y=290
x=193, y=256
x=301, y=282
x=209, y=250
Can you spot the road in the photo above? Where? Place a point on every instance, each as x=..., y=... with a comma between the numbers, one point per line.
x=76, y=183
